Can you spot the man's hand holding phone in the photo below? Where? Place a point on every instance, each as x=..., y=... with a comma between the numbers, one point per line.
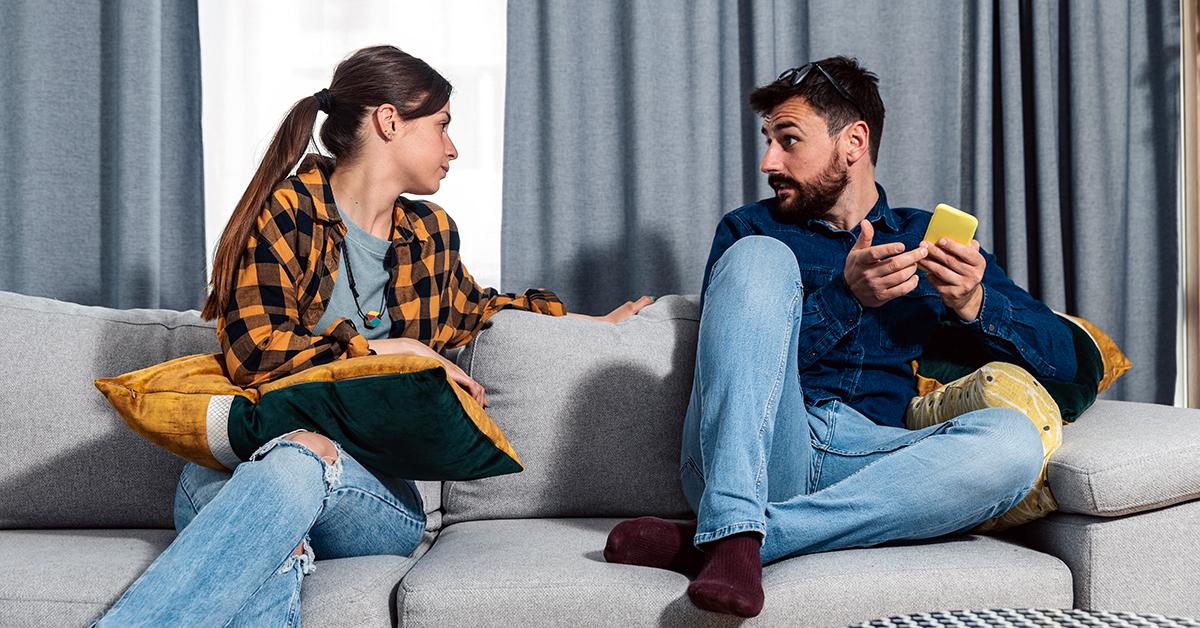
x=956, y=271
x=878, y=274
x=955, y=266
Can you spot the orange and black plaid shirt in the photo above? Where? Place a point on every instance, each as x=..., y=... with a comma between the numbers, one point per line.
x=286, y=276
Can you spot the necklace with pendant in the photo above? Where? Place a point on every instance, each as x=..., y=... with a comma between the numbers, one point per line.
x=373, y=317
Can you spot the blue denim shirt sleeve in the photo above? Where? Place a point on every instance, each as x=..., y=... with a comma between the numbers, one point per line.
x=829, y=313
x=1016, y=327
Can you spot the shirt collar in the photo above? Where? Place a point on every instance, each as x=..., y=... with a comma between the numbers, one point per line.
x=314, y=172
x=881, y=214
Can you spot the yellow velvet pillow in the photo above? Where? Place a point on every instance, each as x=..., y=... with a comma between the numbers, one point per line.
x=998, y=385
x=1115, y=361
x=399, y=414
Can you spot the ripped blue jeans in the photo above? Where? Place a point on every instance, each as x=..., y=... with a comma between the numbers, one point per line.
x=233, y=563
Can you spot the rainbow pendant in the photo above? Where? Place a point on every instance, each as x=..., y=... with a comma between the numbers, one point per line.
x=373, y=319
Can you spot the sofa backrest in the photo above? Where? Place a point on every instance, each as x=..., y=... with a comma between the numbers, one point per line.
x=594, y=410
x=69, y=459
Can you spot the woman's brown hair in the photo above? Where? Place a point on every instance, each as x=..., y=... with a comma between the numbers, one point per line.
x=368, y=78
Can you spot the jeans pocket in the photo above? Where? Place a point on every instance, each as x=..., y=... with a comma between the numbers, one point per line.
x=855, y=435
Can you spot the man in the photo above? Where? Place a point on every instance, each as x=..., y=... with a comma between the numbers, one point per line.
x=814, y=304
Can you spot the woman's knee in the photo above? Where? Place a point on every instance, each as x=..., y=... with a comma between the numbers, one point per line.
x=316, y=443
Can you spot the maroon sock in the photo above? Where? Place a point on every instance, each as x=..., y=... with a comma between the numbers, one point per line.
x=654, y=542
x=731, y=579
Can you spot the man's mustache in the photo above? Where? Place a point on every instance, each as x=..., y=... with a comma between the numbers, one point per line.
x=777, y=181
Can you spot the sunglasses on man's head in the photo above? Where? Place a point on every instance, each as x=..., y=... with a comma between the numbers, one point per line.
x=795, y=76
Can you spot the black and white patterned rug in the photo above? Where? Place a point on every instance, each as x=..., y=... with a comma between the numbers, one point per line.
x=1029, y=618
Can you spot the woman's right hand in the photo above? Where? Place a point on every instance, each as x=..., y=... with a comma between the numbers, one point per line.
x=408, y=346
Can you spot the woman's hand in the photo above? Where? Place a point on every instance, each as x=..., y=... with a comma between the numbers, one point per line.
x=408, y=346
x=621, y=314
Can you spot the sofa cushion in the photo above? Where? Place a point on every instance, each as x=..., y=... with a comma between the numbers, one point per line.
x=539, y=572
x=1147, y=562
x=68, y=577
x=1122, y=457
x=70, y=461
x=595, y=410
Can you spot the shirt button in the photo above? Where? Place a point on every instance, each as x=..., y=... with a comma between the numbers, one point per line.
x=991, y=328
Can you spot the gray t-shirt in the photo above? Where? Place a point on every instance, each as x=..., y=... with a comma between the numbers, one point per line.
x=366, y=254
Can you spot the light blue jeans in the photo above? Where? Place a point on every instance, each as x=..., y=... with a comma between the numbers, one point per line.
x=232, y=563
x=756, y=458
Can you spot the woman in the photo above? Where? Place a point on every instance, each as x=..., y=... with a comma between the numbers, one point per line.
x=331, y=263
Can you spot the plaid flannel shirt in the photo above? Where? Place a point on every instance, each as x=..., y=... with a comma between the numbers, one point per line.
x=286, y=275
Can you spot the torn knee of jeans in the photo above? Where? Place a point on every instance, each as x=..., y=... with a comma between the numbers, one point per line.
x=306, y=561
x=332, y=470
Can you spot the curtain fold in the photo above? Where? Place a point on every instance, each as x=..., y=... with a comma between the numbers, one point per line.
x=628, y=135
x=102, y=141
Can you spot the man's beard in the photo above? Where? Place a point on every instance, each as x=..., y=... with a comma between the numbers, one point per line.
x=812, y=199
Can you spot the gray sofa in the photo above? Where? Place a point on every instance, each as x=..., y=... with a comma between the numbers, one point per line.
x=595, y=411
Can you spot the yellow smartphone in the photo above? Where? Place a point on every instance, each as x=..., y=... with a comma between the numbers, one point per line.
x=951, y=223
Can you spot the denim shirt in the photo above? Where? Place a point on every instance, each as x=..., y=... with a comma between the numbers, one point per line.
x=862, y=356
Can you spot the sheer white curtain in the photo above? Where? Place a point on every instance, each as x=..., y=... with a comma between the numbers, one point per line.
x=258, y=58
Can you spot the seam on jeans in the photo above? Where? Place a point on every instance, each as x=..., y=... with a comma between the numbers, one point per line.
x=894, y=451
x=183, y=488
x=817, y=464
x=940, y=428
x=691, y=462
x=395, y=506
x=729, y=530
x=821, y=449
x=776, y=392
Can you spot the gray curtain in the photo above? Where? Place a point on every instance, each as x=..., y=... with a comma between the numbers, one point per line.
x=628, y=135
x=103, y=169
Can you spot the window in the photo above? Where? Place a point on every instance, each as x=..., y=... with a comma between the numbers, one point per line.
x=258, y=58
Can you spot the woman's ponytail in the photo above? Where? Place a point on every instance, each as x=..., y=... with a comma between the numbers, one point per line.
x=282, y=155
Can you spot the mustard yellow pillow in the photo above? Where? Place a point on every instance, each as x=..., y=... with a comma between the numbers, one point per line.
x=997, y=385
x=401, y=415
x=1115, y=362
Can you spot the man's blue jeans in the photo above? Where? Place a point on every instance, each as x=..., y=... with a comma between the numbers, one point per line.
x=232, y=563
x=809, y=479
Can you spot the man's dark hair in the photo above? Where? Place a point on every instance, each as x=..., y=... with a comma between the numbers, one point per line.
x=863, y=87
